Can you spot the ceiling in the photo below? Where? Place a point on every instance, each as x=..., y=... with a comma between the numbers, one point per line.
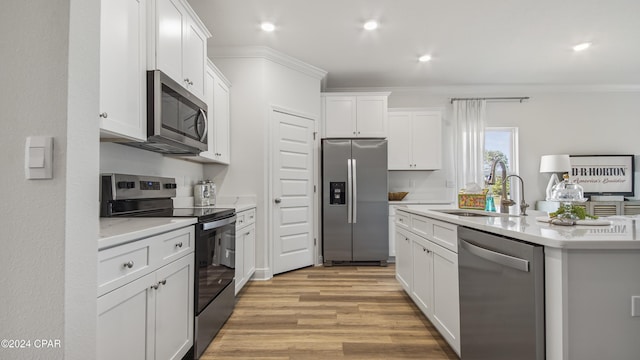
x=472, y=42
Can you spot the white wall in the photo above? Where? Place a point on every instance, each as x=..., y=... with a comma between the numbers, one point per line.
x=117, y=158
x=553, y=121
x=257, y=83
x=49, y=227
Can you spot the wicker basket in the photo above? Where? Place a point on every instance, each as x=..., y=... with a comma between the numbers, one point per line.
x=397, y=196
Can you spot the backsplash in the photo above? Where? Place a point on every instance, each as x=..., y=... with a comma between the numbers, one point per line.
x=421, y=185
x=116, y=158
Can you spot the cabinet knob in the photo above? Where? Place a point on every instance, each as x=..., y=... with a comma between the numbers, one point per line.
x=358, y=132
x=155, y=286
x=179, y=244
x=104, y=115
x=128, y=264
x=163, y=282
x=277, y=200
x=354, y=133
x=247, y=233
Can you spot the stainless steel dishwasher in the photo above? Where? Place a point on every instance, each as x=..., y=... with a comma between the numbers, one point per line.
x=501, y=297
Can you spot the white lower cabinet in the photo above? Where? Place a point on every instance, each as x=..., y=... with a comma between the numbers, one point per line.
x=150, y=317
x=429, y=272
x=404, y=264
x=422, y=290
x=245, y=247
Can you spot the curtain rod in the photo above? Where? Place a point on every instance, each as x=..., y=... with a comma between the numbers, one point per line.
x=519, y=98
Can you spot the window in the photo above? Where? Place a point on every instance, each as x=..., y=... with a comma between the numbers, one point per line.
x=501, y=142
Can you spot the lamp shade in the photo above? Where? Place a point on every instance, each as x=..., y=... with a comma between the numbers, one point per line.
x=555, y=163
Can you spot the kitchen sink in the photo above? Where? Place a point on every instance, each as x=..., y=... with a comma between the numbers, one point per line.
x=471, y=213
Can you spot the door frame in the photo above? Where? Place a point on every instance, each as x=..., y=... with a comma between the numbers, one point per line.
x=316, y=179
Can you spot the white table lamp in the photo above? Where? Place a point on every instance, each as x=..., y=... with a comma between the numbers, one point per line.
x=554, y=164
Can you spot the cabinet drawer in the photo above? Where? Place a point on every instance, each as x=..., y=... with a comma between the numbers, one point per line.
x=402, y=219
x=445, y=235
x=175, y=244
x=421, y=225
x=121, y=264
x=245, y=218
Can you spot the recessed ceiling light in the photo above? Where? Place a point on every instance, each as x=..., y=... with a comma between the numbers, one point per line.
x=424, y=58
x=582, y=46
x=371, y=25
x=267, y=26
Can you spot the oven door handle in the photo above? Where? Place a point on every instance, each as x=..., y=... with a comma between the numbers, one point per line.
x=218, y=223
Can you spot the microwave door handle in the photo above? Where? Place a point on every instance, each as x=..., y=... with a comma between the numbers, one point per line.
x=206, y=126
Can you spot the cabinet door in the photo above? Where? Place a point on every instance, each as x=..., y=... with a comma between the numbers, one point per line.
x=371, y=116
x=194, y=58
x=126, y=321
x=340, y=116
x=403, y=261
x=222, y=117
x=174, y=309
x=239, y=270
x=426, y=140
x=122, y=69
x=170, y=27
x=249, y=238
x=446, y=301
x=209, y=84
x=422, y=291
x=399, y=142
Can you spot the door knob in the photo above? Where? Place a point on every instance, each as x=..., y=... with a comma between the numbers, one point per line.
x=278, y=200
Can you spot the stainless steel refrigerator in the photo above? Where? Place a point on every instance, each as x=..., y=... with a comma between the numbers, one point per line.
x=355, y=207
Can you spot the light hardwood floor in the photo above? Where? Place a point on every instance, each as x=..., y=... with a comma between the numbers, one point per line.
x=341, y=312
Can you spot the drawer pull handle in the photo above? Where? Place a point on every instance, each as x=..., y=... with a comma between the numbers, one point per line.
x=128, y=264
x=179, y=244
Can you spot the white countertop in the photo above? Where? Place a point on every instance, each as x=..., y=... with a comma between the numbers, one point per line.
x=422, y=202
x=117, y=230
x=623, y=233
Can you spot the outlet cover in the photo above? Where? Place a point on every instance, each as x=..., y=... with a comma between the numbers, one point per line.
x=635, y=305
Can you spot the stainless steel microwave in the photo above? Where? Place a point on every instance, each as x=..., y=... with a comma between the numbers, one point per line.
x=176, y=119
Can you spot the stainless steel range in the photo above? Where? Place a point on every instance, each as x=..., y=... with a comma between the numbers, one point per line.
x=151, y=196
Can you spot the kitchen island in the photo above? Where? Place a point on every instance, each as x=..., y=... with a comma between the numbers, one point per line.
x=592, y=277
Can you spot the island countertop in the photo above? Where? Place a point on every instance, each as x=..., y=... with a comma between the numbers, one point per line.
x=622, y=233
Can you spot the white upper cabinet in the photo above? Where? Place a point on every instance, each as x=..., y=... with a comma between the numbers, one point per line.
x=415, y=140
x=355, y=114
x=123, y=69
x=217, y=97
x=178, y=44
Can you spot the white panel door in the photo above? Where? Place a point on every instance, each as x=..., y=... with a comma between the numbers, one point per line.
x=422, y=291
x=426, y=140
x=399, y=146
x=292, y=189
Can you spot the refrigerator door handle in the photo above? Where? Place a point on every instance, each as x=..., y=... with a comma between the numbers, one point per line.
x=349, y=193
x=355, y=192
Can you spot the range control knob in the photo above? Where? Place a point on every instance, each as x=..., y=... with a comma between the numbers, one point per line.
x=126, y=184
x=170, y=186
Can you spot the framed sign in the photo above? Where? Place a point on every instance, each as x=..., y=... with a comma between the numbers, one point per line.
x=603, y=174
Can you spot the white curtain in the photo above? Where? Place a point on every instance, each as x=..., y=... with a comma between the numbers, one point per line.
x=469, y=120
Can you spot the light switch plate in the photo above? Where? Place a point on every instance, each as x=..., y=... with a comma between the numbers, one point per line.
x=635, y=305
x=38, y=157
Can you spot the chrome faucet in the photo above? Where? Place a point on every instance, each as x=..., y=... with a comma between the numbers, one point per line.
x=523, y=204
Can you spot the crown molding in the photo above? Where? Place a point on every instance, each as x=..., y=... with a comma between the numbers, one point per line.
x=498, y=89
x=267, y=53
